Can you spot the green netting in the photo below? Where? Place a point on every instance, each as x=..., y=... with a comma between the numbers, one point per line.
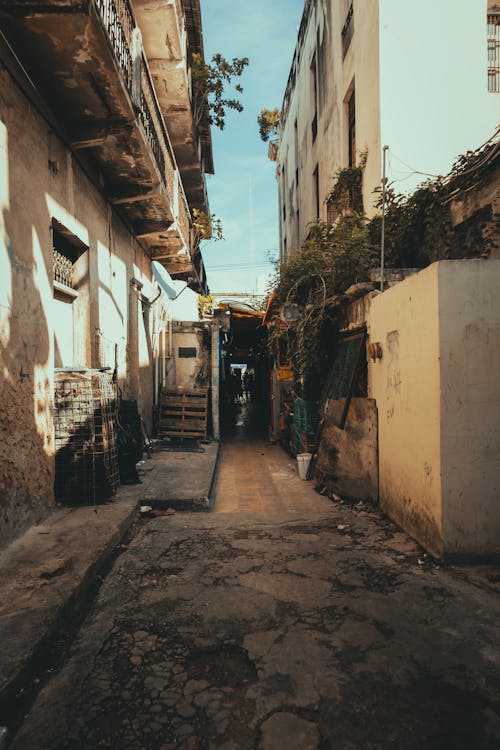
x=305, y=423
x=339, y=379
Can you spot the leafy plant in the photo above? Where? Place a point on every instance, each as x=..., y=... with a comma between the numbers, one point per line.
x=210, y=81
x=206, y=227
x=268, y=122
x=205, y=306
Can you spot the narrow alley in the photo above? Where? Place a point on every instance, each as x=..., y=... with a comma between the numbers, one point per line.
x=249, y=391
x=280, y=621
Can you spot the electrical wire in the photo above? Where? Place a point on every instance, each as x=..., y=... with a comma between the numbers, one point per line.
x=486, y=160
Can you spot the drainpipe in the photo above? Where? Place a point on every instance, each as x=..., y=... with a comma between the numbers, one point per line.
x=382, y=236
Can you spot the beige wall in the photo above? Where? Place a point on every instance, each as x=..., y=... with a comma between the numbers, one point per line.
x=192, y=372
x=405, y=384
x=469, y=319
x=438, y=397
x=31, y=196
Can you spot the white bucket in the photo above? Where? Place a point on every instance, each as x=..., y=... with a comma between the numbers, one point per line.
x=303, y=460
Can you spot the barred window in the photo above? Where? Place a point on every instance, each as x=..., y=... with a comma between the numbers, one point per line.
x=493, y=27
x=66, y=249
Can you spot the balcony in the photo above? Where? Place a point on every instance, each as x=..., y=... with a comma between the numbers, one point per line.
x=168, y=30
x=86, y=59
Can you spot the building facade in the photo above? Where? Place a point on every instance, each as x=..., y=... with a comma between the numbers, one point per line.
x=101, y=162
x=380, y=72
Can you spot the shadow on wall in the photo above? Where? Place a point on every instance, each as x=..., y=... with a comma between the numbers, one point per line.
x=26, y=444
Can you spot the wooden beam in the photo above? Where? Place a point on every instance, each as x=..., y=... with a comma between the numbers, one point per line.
x=156, y=192
x=98, y=132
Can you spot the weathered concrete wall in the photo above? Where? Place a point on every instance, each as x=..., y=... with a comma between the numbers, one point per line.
x=469, y=320
x=385, y=54
x=192, y=372
x=330, y=149
x=406, y=386
x=41, y=181
x=438, y=396
x=348, y=458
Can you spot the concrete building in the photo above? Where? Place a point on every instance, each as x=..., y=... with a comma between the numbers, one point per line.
x=101, y=162
x=414, y=77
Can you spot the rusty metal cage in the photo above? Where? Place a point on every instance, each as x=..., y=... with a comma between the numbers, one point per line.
x=85, y=404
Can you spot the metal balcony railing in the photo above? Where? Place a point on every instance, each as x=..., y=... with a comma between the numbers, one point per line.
x=118, y=20
x=152, y=122
x=124, y=37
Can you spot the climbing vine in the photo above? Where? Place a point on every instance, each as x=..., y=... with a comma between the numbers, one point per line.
x=347, y=191
x=330, y=260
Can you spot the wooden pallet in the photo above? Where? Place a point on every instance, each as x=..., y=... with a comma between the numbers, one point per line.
x=183, y=412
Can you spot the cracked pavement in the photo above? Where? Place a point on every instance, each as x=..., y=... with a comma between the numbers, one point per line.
x=241, y=631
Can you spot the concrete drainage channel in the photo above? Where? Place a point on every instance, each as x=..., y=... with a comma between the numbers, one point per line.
x=51, y=655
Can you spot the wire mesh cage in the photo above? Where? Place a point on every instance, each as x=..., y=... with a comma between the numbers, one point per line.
x=85, y=405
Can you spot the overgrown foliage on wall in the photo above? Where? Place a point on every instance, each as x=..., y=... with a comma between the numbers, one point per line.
x=331, y=259
x=346, y=195
x=210, y=82
x=419, y=230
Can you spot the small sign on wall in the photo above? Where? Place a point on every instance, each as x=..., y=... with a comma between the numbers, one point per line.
x=187, y=352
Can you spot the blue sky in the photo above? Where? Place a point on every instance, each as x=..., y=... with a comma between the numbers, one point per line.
x=243, y=191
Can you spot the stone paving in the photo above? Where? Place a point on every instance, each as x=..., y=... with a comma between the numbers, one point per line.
x=309, y=627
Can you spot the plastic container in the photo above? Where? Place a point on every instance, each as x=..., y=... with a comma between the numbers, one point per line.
x=303, y=460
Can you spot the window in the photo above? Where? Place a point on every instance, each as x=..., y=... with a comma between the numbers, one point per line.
x=316, y=190
x=351, y=128
x=347, y=30
x=331, y=212
x=314, y=91
x=296, y=148
x=493, y=21
x=67, y=272
x=66, y=249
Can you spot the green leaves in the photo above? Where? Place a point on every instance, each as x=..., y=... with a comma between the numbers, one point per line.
x=330, y=260
x=210, y=81
x=268, y=122
x=207, y=227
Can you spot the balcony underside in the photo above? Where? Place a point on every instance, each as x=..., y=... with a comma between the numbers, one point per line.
x=163, y=36
x=67, y=53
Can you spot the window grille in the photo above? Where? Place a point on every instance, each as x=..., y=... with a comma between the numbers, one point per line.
x=63, y=268
x=493, y=23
